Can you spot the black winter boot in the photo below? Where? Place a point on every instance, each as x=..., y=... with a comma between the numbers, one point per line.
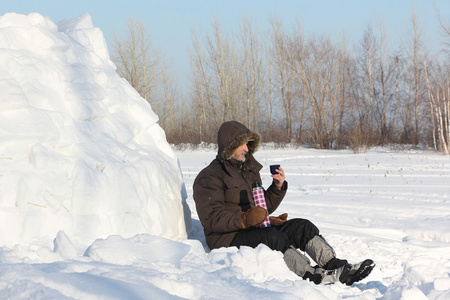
x=334, y=263
x=356, y=272
x=348, y=274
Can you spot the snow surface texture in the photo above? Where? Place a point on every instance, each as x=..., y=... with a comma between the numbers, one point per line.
x=80, y=150
x=393, y=207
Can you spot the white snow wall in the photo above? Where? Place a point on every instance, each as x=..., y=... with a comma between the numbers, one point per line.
x=80, y=150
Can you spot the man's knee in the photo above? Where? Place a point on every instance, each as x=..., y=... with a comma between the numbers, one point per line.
x=310, y=229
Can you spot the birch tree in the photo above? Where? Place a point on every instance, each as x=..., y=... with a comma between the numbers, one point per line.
x=438, y=95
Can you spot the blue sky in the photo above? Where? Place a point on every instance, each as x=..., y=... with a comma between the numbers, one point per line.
x=170, y=22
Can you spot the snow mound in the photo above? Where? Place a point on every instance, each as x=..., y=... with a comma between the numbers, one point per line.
x=142, y=248
x=80, y=150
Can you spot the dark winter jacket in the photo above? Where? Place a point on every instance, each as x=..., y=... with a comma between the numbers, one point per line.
x=223, y=190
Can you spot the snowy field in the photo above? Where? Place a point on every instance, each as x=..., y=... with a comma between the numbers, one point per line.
x=391, y=206
x=94, y=203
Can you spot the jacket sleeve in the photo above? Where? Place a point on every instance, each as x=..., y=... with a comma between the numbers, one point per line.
x=209, y=197
x=274, y=196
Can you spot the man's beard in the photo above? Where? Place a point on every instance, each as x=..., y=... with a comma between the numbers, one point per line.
x=241, y=160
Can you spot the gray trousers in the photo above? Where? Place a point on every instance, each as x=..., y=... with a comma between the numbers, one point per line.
x=317, y=248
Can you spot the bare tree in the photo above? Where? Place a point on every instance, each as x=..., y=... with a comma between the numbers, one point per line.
x=384, y=76
x=145, y=69
x=170, y=93
x=204, y=111
x=367, y=102
x=284, y=75
x=415, y=51
x=136, y=60
x=438, y=96
x=252, y=64
x=317, y=65
x=222, y=62
x=217, y=79
x=267, y=90
x=347, y=77
x=397, y=95
x=445, y=28
x=438, y=88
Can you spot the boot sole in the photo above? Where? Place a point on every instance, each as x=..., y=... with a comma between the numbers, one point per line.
x=363, y=271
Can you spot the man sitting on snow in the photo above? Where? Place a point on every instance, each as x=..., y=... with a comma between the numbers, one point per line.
x=225, y=206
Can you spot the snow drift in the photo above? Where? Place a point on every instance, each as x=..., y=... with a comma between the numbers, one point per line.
x=80, y=150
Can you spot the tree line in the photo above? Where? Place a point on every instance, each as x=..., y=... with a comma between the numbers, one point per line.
x=296, y=88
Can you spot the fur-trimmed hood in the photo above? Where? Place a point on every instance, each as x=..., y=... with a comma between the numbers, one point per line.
x=231, y=135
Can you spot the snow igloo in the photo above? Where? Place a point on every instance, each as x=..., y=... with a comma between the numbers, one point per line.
x=80, y=150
